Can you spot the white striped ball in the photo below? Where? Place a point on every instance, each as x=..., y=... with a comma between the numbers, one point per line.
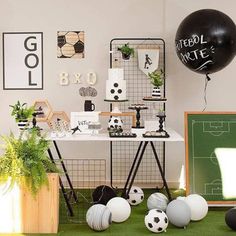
x=98, y=217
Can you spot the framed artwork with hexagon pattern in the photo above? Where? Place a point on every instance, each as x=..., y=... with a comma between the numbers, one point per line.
x=70, y=44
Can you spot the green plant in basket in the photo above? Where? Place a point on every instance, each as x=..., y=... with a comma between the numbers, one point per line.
x=25, y=161
x=21, y=111
x=126, y=51
x=156, y=78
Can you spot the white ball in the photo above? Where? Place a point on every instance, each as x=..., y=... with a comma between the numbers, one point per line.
x=198, y=206
x=98, y=217
x=157, y=201
x=120, y=209
x=135, y=196
x=156, y=221
x=178, y=213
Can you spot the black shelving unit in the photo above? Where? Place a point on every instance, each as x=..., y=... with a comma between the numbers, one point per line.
x=138, y=87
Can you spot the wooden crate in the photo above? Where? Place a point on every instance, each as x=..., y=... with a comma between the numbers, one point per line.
x=22, y=213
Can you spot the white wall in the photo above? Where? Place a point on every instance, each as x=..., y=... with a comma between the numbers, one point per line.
x=103, y=20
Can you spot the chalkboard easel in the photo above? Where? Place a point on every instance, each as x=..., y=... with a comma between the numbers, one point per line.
x=206, y=132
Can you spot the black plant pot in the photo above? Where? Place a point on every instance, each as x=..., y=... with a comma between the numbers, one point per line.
x=125, y=56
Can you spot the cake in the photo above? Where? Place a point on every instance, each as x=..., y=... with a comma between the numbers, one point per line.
x=116, y=85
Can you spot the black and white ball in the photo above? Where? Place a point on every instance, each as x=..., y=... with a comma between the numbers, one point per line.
x=156, y=221
x=70, y=44
x=98, y=217
x=115, y=122
x=135, y=196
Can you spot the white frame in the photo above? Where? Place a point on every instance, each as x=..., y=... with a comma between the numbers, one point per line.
x=22, y=60
x=82, y=119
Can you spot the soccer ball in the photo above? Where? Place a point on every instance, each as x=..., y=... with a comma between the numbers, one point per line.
x=135, y=196
x=70, y=44
x=156, y=221
x=115, y=123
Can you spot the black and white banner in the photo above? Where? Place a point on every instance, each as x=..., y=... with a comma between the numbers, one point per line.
x=148, y=60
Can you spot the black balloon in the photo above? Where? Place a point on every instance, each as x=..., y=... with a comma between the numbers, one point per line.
x=230, y=218
x=102, y=194
x=206, y=41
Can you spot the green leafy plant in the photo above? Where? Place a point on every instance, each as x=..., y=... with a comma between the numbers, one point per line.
x=21, y=111
x=126, y=51
x=25, y=161
x=157, y=78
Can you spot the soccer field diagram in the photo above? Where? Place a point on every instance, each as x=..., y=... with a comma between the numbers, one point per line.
x=205, y=133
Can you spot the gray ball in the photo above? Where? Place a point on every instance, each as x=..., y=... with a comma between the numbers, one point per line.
x=179, y=213
x=157, y=201
x=98, y=217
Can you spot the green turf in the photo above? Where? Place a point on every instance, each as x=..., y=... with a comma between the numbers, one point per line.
x=213, y=224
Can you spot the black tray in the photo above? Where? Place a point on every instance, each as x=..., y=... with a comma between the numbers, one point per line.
x=153, y=99
x=122, y=135
x=152, y=135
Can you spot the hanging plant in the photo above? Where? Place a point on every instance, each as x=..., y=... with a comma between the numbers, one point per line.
x=126, y=51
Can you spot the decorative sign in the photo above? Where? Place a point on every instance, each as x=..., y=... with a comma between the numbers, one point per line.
x=83, y=119
x=22, y=60
x=70, y=44
x=148, y=60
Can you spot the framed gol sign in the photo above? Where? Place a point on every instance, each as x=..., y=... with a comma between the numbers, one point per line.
x=23, y=60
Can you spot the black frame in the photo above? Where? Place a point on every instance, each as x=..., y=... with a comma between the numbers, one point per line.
x=4, y=88
x=164, y=107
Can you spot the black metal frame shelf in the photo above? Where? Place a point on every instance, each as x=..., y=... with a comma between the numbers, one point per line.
x=138, y=88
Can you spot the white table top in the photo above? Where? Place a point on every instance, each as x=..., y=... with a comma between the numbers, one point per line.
x=174, y=137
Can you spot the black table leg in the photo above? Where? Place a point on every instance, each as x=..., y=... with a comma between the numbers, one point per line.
x=161, y=171
x=136, y=169
x=62, y=187
x=65, y=171
x=111, y=167
x=131, y=170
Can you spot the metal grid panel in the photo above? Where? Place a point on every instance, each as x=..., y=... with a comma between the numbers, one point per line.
x=138, y=86
x=85, y=175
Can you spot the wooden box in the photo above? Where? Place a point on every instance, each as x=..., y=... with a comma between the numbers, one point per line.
x=22, y=213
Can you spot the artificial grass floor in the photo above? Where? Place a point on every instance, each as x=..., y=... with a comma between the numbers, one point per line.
x=212, y=225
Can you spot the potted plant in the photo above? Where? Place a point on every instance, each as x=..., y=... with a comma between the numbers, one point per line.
x=157, y=79
x=126, y=51
x=22, y=114
x=31, y=182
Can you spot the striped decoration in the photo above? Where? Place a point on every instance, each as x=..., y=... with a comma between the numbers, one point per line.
x=156, y=92
x=98, y=217
x=23, y=124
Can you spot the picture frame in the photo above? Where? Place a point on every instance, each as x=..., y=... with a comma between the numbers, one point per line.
x=82, y=120
x=205, y=133
x=22, y=60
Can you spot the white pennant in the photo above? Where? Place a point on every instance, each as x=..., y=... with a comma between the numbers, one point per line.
x=148, y=60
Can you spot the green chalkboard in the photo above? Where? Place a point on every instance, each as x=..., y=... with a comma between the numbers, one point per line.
x=204, y=132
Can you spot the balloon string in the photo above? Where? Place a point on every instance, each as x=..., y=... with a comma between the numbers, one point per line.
x=205, y=91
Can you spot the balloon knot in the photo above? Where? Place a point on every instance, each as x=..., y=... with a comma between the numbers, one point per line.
x=208, y=77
